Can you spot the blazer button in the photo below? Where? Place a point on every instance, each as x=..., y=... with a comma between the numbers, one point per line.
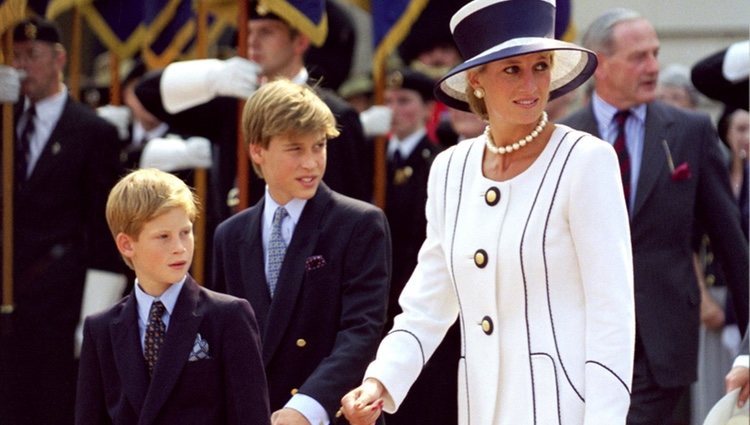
x=480, y=258
x=301, y=343
x=293, y=391
x=492, y=196
x=487, y=326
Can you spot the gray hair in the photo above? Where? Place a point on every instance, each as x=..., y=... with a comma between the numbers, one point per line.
x=598, y=36
x=678, y=75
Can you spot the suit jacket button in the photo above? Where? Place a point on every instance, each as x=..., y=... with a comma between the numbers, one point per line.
x=492, y=196
x=487, y=326
x=293, y=391
x=301, y=343
x=480, y=258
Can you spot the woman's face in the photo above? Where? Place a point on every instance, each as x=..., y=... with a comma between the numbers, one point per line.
x=738, y=133
x=516, y=89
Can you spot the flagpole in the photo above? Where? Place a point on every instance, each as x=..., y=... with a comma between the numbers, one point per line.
x=6, y=308
x=379, y=175
x=75, y=55
x=200, y=178
x=243, y=167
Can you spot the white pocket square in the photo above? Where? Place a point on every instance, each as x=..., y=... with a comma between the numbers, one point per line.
x=200, y=349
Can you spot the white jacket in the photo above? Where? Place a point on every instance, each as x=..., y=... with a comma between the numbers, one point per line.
x=543, y=283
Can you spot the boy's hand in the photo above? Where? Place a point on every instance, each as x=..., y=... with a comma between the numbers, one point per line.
x=288, y=417
x=362, y=405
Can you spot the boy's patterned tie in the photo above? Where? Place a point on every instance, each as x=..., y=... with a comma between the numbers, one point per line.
x=622, y=152
x=276, y=248
x=155, y=332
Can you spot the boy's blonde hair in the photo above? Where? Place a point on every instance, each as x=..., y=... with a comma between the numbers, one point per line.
x=282, y=107
x=143, y=195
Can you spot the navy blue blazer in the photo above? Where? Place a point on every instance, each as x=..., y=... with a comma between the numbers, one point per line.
x=323, y=326
x=227, y=388
x=667, y=207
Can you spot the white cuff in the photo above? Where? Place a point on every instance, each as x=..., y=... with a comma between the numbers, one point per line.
x=309, y=408
x=101, y=290
x=743, y=360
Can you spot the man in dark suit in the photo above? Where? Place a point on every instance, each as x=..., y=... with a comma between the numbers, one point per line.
x=65, y=164
x=200, y=98
x=673, y=177
x=314, y=264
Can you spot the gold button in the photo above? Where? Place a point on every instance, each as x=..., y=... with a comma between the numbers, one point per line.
x=492, y=196
x=710, y=280
x=301, y=343
x=339, y=412
x=294, y=391
x=480, y=258
x=487, y=325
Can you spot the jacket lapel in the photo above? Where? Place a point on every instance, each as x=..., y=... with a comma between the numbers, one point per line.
x=183, y=327
x=654, y=158
x=252, y=267
x=126, y=346
x=304, y=241
x=55, y=144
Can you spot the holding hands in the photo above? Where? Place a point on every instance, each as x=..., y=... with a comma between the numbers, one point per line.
x=363, y=405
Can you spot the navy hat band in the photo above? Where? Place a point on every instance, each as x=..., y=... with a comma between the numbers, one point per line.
x=508, y=19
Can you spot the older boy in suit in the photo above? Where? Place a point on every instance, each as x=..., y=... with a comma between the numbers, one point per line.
x=314, y=264
x=171, y=352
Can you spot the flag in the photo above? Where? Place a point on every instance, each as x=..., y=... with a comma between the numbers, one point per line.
x=118, y=24
x=11, y=12
x=564, y=28
x=391, y=23
x=307, y=16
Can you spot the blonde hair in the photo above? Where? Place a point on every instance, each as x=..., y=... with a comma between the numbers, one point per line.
x=143, y=195
x=282, y=107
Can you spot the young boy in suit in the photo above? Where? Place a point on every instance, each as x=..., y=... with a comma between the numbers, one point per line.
x=171, y=352
x=314, y=264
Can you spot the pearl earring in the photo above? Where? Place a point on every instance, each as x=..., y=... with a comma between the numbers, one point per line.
x=479, y=92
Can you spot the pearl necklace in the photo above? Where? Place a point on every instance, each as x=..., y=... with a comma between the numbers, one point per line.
x=519, y=144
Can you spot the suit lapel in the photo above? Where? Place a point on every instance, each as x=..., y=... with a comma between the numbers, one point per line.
x=292, y=273
x=654, y=158
x=126, y=346
x=55, y=144
x=252, y=267
x=183, y=327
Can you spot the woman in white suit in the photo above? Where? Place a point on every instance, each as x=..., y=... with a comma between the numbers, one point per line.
x=527, y=242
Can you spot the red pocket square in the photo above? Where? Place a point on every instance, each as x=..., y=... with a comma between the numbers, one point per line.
x=681, y=172
x=314, y=262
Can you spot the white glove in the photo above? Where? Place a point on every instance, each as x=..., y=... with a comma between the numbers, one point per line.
x=376, y=120
x=172, y=153
x=191, y=83
x=102, y=290
x=119, y=116
x=10, y=83
x=736, y=66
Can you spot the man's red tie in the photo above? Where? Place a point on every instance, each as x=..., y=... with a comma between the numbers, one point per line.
x=622, y=152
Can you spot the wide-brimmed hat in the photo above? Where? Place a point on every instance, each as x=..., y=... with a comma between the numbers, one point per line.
x=490, y=30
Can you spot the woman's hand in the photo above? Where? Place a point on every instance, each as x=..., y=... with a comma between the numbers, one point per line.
x=362, y=405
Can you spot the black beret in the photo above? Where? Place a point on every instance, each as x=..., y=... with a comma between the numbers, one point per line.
x=35, y=29
x=412, y=80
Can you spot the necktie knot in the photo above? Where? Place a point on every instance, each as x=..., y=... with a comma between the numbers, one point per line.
x=621, y=117
x=278, y=217
x=157, y=311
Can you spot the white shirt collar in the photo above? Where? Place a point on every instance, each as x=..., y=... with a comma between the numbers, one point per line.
x=168, y=298
x=407, y=145
x=301, y=77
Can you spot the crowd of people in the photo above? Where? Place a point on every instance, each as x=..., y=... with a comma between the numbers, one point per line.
x=564, y=237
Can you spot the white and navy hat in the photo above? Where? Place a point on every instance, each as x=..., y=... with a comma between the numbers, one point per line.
x=490, y=30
